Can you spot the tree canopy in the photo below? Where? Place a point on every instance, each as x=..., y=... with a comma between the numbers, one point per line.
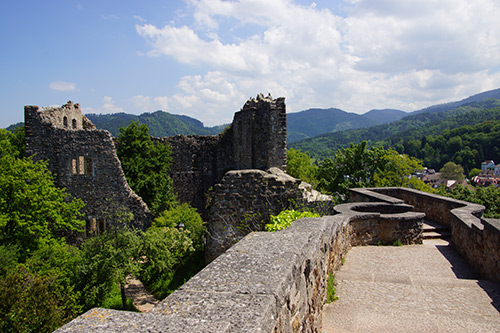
x=146, y=165
x=358, y=166
x=32, y=209
x=300, y=165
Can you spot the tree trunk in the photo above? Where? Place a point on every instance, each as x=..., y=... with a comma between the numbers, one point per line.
x=124, y=297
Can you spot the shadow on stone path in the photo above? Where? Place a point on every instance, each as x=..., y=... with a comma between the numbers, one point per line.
x=416, y=288
x=141, y=298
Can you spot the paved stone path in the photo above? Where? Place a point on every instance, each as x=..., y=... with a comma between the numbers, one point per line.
x=142, y=299
x=416, y=288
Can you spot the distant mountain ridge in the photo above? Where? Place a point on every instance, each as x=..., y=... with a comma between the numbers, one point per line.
x=422, y=120
x=313, y=122
x=160, y=123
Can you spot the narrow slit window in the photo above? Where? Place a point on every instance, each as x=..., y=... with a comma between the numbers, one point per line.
x=89, y=166
x=73, y=166
x=81, y=165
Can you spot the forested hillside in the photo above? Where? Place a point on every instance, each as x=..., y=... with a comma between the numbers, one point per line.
x=467, y=145
x=160, y=123
x=313, y=122
x=411, y=127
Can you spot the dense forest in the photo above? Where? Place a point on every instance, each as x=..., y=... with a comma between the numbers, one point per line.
x=410, y=128
x=467, y=145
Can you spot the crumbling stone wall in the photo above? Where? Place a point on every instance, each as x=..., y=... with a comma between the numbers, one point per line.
x=255, y=140
x=245, y=199
x=84, y=161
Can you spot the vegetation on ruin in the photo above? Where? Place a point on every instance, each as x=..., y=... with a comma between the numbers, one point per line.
x=331, y=290
x=286, y=217
x=146, y=165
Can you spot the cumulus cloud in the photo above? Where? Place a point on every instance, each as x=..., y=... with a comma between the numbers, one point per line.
x=148, y=104
x=62, y=86
x=108, y=106
x=379, y=53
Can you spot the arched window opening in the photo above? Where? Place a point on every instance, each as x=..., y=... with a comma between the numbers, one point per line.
x=65, y=121
x=73, y=122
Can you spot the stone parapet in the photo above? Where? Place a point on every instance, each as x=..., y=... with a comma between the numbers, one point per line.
x=475, y=238
x=267, y=282
x=382, y=223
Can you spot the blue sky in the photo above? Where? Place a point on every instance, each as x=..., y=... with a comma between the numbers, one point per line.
x=205, y=58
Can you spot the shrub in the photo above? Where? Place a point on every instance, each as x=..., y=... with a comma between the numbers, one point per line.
x=285, y=218
x=186, y=216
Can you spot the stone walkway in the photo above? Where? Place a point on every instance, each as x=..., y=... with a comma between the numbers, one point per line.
x=142, y=299
x=416, y=288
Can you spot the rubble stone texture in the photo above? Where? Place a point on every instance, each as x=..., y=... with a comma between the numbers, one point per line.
x=84, y=161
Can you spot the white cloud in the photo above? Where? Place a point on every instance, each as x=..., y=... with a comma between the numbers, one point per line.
x=383, y=53
x=139, y=18
x=141, y=103
x=108, y=106
x=62, y=86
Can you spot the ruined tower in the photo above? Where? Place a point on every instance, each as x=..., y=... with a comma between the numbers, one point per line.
x=84, y=161
x=255, y=140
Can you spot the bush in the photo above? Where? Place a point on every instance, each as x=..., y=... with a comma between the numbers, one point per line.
x=285, y=218
x=186, y=216
x=163, y=251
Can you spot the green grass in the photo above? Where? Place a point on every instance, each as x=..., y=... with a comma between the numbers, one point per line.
x=114, y=301
x=330, y=289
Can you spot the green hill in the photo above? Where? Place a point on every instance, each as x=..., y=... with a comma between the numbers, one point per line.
x=313, y=122
x=160, y=123
x=414, y=126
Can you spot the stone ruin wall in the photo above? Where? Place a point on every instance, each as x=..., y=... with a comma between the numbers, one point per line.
x=84, y=161
x=234, y=203
x=245, y=199
x=255, y=140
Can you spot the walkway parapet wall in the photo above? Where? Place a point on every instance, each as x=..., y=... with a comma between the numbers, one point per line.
x=477, y=239
x=267, y=282
x=277, y=282
x=383, y=223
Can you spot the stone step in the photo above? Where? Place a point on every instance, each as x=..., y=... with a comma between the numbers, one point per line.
x=427, y=227
x=433, y=230
x=446, y=234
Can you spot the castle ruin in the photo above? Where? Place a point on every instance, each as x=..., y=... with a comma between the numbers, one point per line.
x=84, y=162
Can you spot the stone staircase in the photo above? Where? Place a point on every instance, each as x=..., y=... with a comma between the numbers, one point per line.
x=433, y=230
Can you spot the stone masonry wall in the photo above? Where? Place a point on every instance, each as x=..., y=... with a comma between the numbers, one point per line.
x=475, y=238
x=376, y=222
x=245, y=199
x=255, y=140
x=84, y=161
x=268, y=282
